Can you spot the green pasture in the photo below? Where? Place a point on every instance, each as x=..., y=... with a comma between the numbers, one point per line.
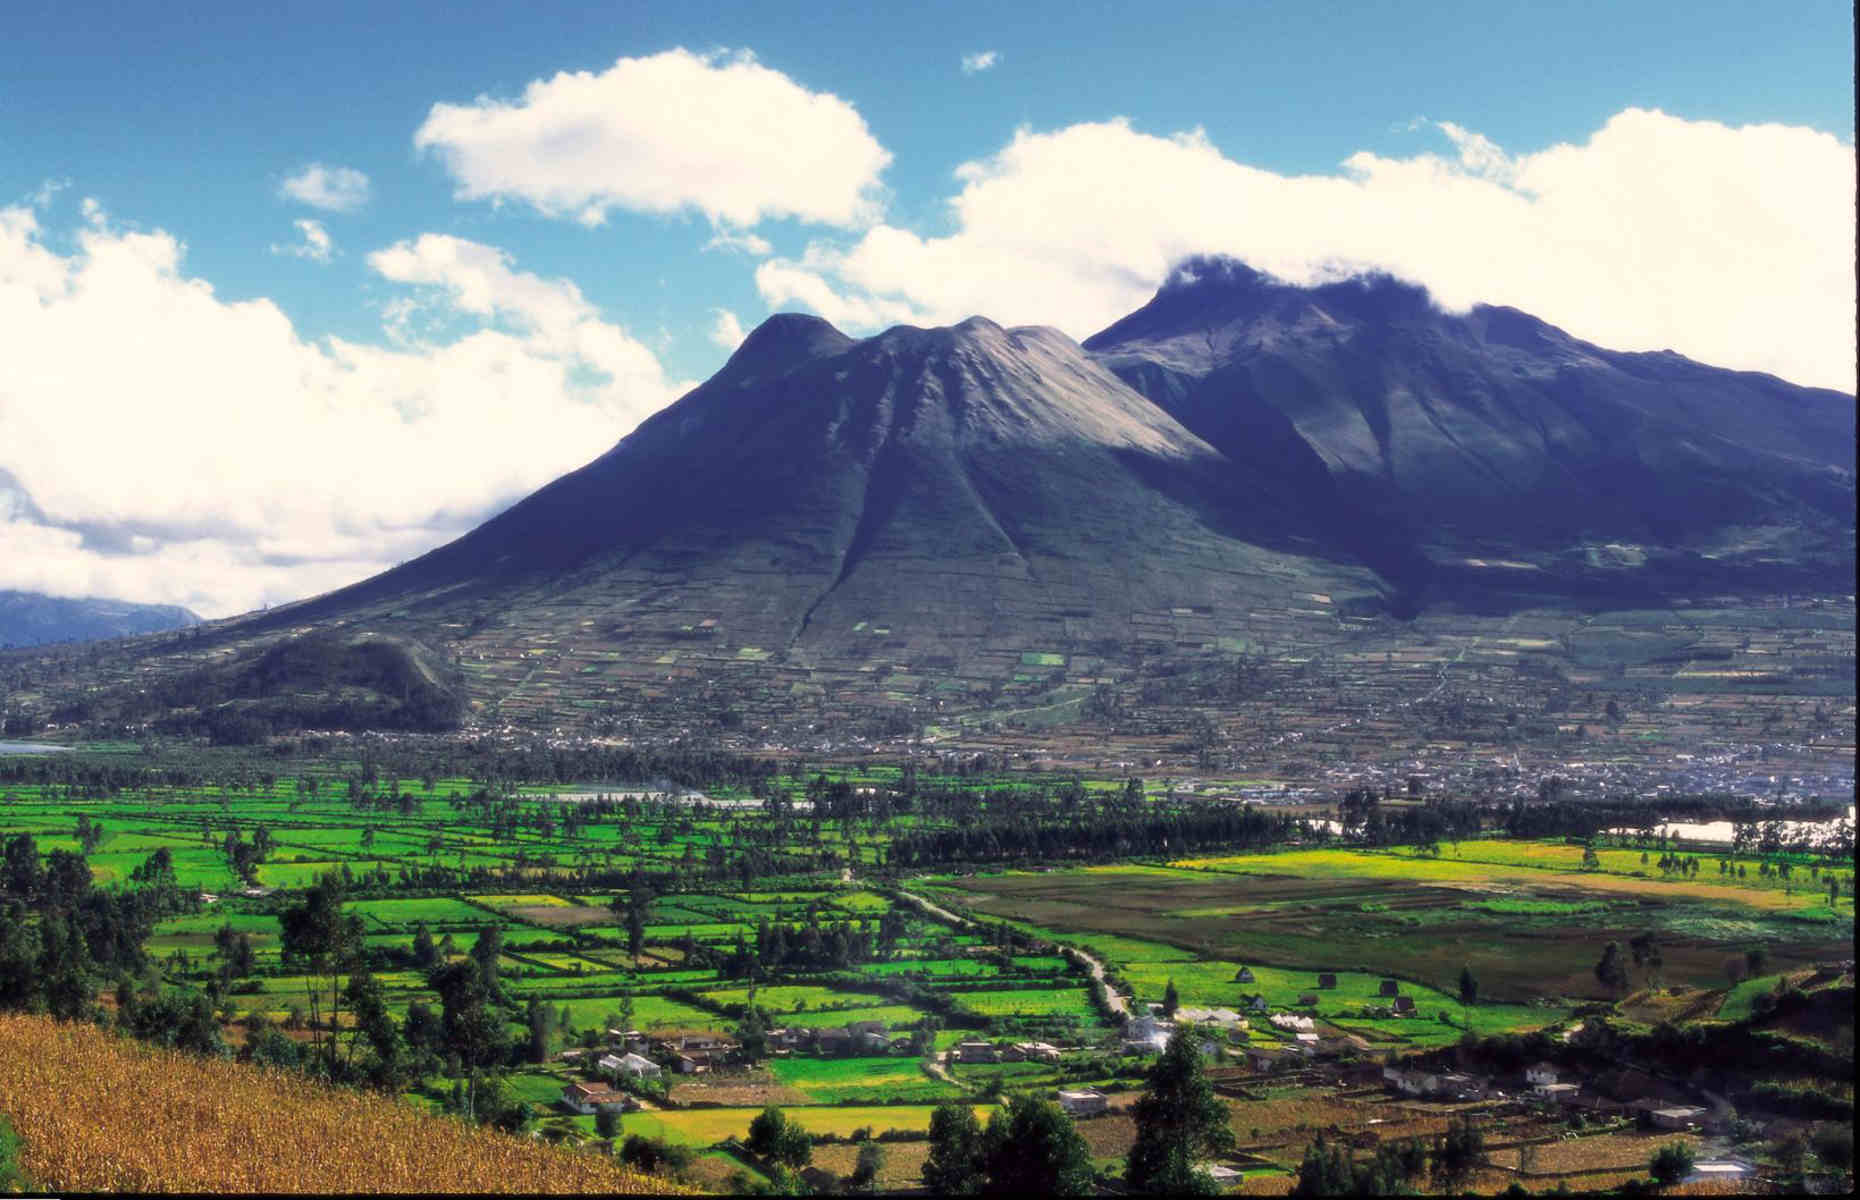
x=832, y=1080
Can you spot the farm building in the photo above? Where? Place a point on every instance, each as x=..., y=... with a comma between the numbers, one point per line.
x=633, y=1065
x=1084, y=1102
x=1561, y=1093
x=588, y=1098
x=1403, y=1006
x=1462, y=1087
x=1256, y=1003
x=1038, y=1051
x=976, y=1052
x=1227, y=1018
x=834, y=1041
x=1308, y=1000
x=1730, y=1169
x=1259, y=1058
x=1538, y=1074
x=1389, y=987
x=1244, y=975
x=1682, y=1116
x=1327, y=980
x=1411, y=1081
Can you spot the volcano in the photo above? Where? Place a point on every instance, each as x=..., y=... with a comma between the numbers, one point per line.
x=932, y=515
x=1490, y=458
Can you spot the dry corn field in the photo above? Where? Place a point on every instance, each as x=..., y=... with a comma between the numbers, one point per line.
x=99, y=1113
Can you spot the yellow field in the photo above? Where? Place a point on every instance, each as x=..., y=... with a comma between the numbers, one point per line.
x=704, y=1126
x=98, y=1113
x=1488, y=863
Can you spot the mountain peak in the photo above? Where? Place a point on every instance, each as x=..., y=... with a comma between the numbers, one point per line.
x=786, y=340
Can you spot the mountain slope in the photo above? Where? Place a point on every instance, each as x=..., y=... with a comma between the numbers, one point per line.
x=959, y=486
x=31, y=619
x=1430, y=442
x=978, y=517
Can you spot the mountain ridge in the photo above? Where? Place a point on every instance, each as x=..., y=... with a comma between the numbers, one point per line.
x=33, y=618
x=936, y=518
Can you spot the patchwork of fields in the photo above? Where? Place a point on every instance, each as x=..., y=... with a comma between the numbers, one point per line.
x=1524, y=916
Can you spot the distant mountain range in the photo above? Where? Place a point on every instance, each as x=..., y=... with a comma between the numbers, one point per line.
x=1239, y=459
x=31, y=619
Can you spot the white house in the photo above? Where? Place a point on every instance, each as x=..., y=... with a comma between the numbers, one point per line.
x=1083, y=1102
x=635, y=1065
x=586, y=1098
x=1538, y=1074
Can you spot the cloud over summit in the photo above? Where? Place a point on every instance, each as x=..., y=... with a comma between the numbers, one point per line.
x=1732, y=245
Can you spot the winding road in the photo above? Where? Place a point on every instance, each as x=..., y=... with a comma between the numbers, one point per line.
x=1116, y=1003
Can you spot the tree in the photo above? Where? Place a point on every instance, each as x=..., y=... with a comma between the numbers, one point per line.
x=470, y=1026
x=318, y=934
x=774, y=1137
x=541, y=1020
x=954, y=1165
x=425, y=953
x=1457, y=1154
x=1469, y=987
x=1179, y=1121
x=1170, y=1001
x=1610, y=971
x=1033, y=1150
x=607, y=1123
x=1755, y=959
x=485, y=952
x=870, y=1162
x=1671, y=1163
x=1647, y=954
x=375, y=1025
x=1590, y=859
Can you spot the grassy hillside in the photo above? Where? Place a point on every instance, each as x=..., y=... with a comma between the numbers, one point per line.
x=97, y=1113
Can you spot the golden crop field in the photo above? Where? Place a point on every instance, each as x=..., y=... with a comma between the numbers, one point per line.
x=101, y=1114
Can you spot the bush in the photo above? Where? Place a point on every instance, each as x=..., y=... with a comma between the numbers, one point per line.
x=1671, y=1163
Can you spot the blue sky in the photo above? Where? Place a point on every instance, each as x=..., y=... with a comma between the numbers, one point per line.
x=1646, y=175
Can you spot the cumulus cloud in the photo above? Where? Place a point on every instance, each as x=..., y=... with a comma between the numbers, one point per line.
x=218, y=459
x=334, y=189
x=718, y=134
x=316, y=245
x=726, y=331
x=975, y=64
x=1732, y=245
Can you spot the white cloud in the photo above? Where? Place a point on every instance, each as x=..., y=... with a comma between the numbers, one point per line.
x=215, y=458
x=47, y=191
x=316, y=245
x=718, y=134
x=805, y=283
x=747, y=243
x=1733, y=246
x=726, y=331
x=974, y=64
x=334, y=189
